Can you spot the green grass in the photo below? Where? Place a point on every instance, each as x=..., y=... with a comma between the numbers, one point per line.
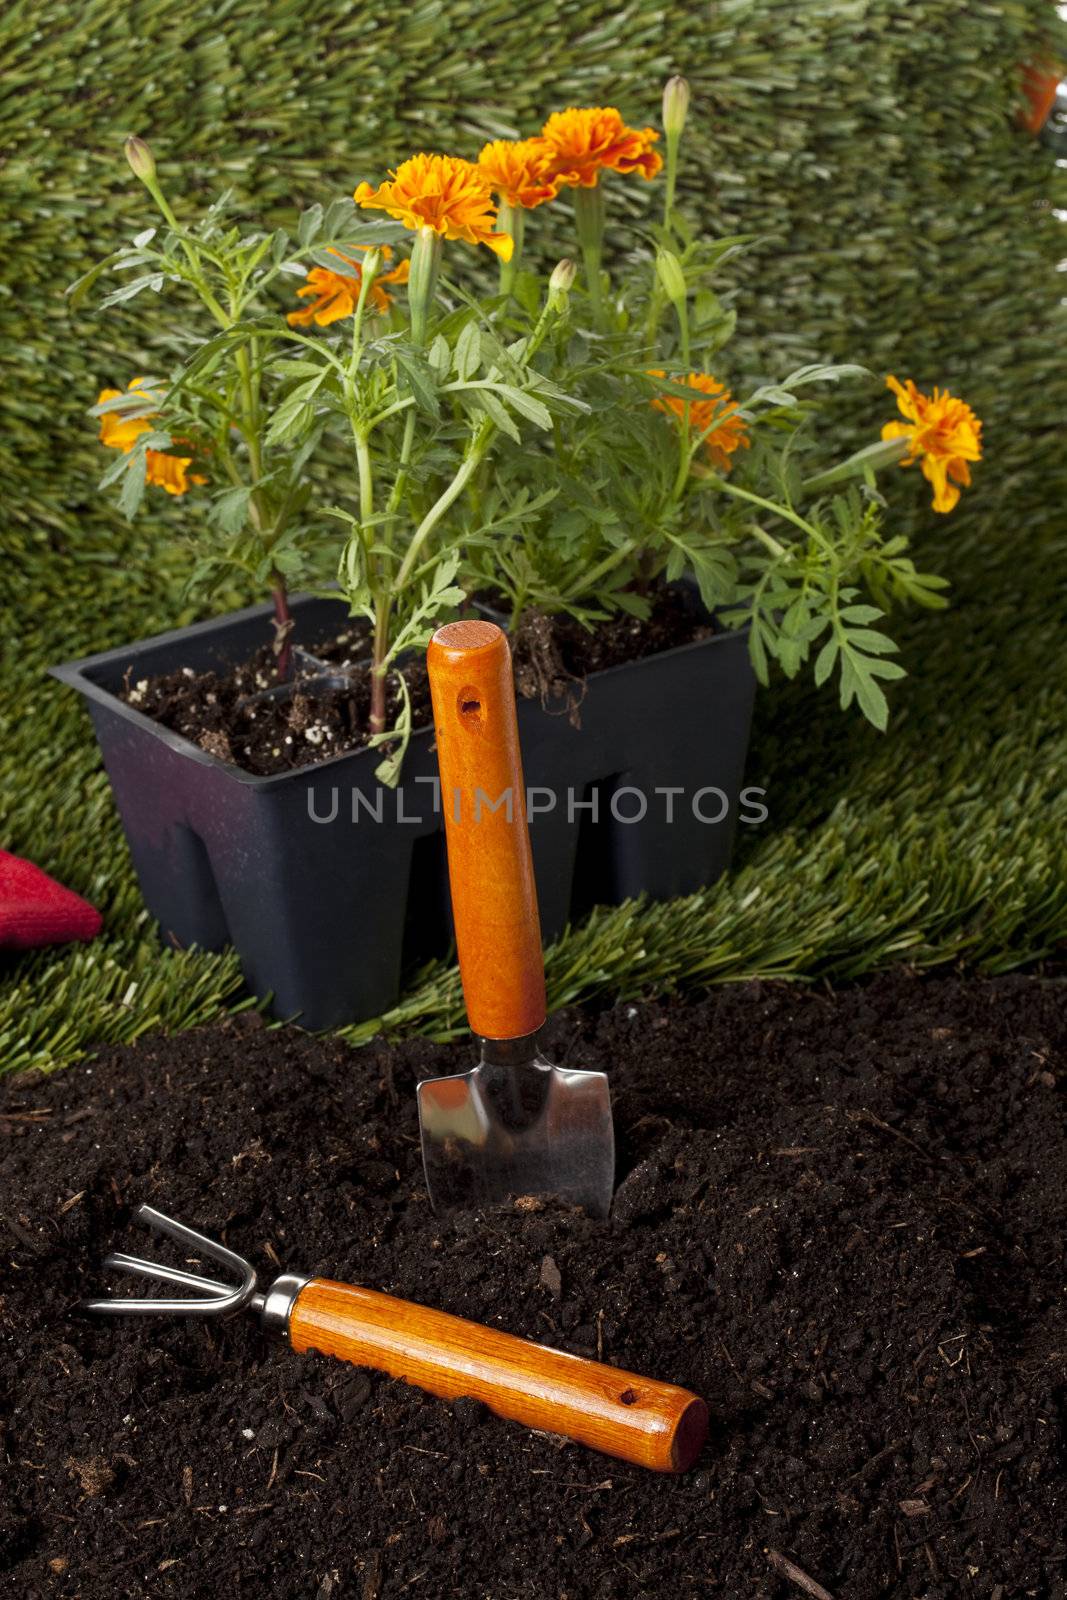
x=904, y=222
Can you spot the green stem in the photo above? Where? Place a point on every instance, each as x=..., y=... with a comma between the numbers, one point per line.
x=250, y=432
x=366, y=279
x=422, y=281
x=673, y=142
x=378, y=587
x=682, y=313
x=364, y=472
x=511, y=219
x=479, y=444
x=767, y=541
x=378, y=667
x=602, y=568
x=283, y=621
x=480, y=441
x=685, y=459
x=785, y=512
x=320, y=348
x=377, y=581
x=589, y=217
x=406, y=443
x=655, y=312
x=283, y=627
x=655, y=299
x=202, y=288
x=518, y=606
x=595, y=287
x=549, y=313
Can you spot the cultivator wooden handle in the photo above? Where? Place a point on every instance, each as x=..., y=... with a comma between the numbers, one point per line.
x=494, y=901
x=653, y=1424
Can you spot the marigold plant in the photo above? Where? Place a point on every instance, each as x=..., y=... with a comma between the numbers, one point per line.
x=570, y=440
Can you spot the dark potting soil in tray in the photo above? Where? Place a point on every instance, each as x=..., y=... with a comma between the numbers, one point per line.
x=840, y=1219
x=234, y=716
x=238, y=717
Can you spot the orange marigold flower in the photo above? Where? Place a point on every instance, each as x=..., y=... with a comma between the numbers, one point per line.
x=169, y=472
x=519, y=171
x=121, y=432
x=942, y=432
x=583, y=142
x=444, y=193
x=729, y=432
x=333, y=295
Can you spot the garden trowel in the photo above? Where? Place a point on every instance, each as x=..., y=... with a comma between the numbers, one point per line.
x=515, y=1125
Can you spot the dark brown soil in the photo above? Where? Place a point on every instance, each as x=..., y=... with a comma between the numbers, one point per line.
x=554, y=654
x=239, y=716
x=244, y=717
x=840, y=1219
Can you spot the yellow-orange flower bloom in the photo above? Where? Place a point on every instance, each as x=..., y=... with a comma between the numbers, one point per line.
x=942, y=432
x=119, y=432
x=444, y=193
x=584, y=142
x=729, y=432
x=519, y=171
x=333, y=295
x=170, y=472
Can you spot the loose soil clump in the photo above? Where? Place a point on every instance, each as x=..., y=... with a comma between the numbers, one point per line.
x=839, y=1219
x=244, y=717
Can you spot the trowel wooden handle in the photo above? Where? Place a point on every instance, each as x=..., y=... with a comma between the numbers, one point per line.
x=494, y=901
x=654, y=1424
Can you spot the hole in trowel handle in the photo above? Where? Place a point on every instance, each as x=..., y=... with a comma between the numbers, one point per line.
x=470, y=707
x=629, y=1397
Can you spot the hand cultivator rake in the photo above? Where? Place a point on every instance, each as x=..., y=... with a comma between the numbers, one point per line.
x=653, y=1424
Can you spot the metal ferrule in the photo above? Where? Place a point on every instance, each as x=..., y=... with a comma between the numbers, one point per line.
x=275, y=1307
x=507, y=1052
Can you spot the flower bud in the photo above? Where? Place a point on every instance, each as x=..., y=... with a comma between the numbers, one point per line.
x=675, y=106
x=371, y=264
x=560, y=285
x=562, y=280
x=422, y=280
x=139, y=155
x=671, y=276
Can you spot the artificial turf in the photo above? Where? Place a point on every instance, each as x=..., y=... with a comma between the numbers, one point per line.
x=904, y=220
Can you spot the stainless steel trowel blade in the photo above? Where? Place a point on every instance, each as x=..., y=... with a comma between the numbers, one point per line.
x=514, y=1128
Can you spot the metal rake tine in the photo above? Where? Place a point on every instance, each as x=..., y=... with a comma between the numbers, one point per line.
x=149, y=1217
x=212, y=1299
x=118, y=1262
